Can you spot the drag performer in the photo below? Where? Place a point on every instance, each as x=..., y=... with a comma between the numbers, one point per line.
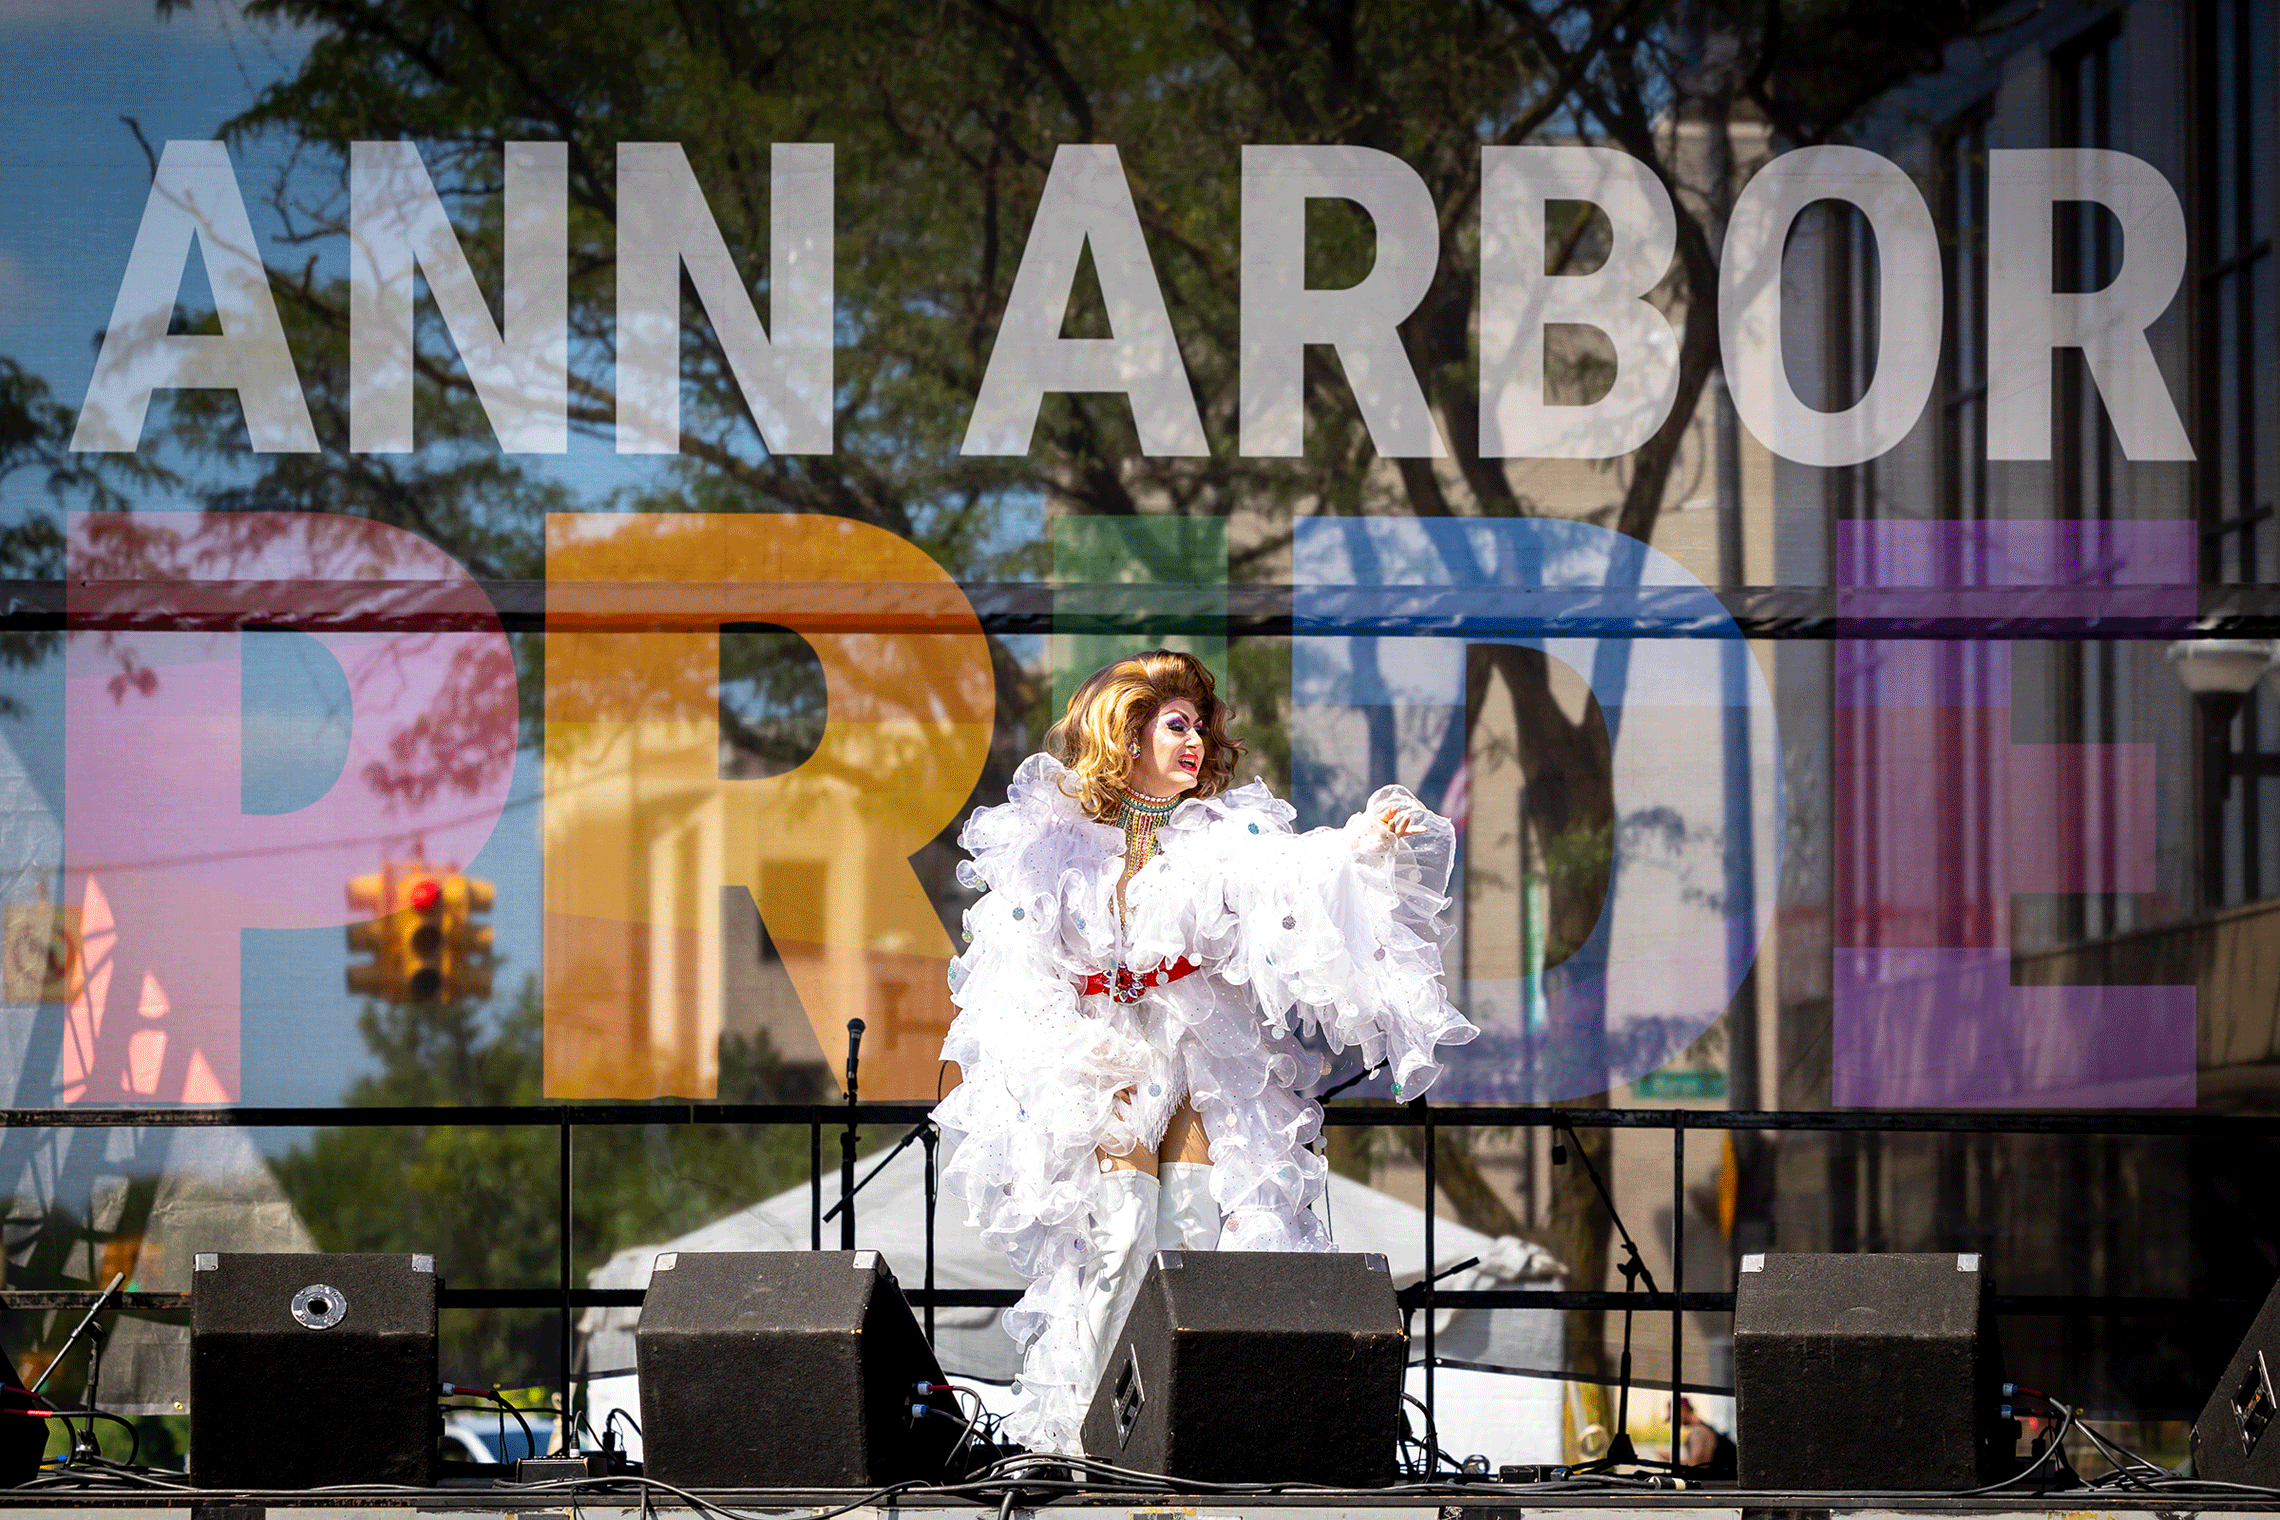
x=1149, y=949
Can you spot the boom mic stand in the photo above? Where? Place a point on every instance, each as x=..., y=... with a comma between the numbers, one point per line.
x=922, y=1130
x=847, y=1143
x=925, y=1131
x=83, y=1444
x=1620, y=1452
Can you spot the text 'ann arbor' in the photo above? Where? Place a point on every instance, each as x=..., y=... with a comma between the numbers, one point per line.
x=519, y=365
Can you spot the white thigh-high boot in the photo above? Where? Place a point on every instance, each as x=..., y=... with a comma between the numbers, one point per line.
x=1187, y=1217
x=1122, y=1237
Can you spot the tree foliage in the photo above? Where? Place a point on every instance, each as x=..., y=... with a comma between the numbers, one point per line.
x=482, y=1199
x=945, y=119
x=35, y=436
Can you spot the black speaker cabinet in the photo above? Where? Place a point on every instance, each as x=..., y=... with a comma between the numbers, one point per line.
x=786, y=1369
x=1256, y=1367
x=2233, y=1441
x=22, y=1438
x=310, y=1370
x=1868, y=1372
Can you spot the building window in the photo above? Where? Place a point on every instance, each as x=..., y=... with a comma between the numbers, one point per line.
x=2240, y=542
x=1848, y=363
x=2089, y=110
x=1963, y=415
x=2088, y=113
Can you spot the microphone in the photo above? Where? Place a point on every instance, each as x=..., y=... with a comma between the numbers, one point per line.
x=854, y=1045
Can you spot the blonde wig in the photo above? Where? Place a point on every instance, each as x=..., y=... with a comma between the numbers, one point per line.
x=1108, y=713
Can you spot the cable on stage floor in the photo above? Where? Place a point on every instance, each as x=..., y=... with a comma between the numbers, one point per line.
x=1036, y=1480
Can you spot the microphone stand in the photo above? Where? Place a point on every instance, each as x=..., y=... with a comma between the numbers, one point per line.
x=1363, y=1075
x=1620, y=1452
x=83, y=1443
x=846, y=1209
x=923, y=1130
x=919, y=1131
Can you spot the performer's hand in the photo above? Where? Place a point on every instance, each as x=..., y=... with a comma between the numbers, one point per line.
x=1404, y=819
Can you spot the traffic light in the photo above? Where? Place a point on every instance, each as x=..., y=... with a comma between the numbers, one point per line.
x=467, y=961
x=383, y=975
x=422, y=937
x=420, y=926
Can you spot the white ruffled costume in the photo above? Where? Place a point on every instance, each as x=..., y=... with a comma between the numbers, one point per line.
x=1338, y=930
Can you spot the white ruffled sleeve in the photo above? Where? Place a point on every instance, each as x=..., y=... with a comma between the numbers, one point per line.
x=1342, y=929
x=1040, y=1073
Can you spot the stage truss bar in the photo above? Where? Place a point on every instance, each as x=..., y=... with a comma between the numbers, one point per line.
x=1924, y=1121
x=1238, y=610
x=1415, y=1296
x=1553, y=1375
x=502, y=1116
x=1336, y=1115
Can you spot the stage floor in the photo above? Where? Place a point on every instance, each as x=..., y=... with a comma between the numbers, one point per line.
x=1472, y=1504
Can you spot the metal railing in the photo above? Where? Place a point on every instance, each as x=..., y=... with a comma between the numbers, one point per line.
x=1424, y=1296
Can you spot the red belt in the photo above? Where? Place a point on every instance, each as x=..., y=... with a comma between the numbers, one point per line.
x=1125, y=985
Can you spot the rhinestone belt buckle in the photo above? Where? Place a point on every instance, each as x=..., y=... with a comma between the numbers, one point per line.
x=1123, y=986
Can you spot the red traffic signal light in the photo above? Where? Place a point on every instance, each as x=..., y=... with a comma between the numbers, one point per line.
x=424, y=944
x=423, y=940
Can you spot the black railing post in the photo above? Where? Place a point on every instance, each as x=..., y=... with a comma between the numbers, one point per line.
x=1677, y=1272
x=847, y=1141
x=566, y=1431
x=1432, y=1180
x=930, y=1139
x=815, y=1178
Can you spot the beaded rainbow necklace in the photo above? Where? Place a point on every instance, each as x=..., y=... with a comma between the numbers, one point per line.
x=1142, y=817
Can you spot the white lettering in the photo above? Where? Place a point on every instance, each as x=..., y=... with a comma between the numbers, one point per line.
x=1518, y=300
x=2028, y=319
x=664, y=226
x=1281, y=316
x=194, y=198
x=397, y=222
x=1086, y=200
x=1910, y=290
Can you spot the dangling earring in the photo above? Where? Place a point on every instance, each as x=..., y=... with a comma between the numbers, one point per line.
x=1136, y=747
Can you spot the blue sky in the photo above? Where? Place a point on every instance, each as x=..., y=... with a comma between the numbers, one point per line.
x=76, y=180
x=74, y=73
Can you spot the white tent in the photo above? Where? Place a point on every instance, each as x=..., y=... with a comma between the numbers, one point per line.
x=1509, y=1418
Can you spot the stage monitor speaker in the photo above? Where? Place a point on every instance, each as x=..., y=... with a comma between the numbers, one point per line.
x=22, y=1438
x=2233, y=1441
x=1256, y=1367
x=309, y=1370
x=786, y=1369
x=1876, y=1371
